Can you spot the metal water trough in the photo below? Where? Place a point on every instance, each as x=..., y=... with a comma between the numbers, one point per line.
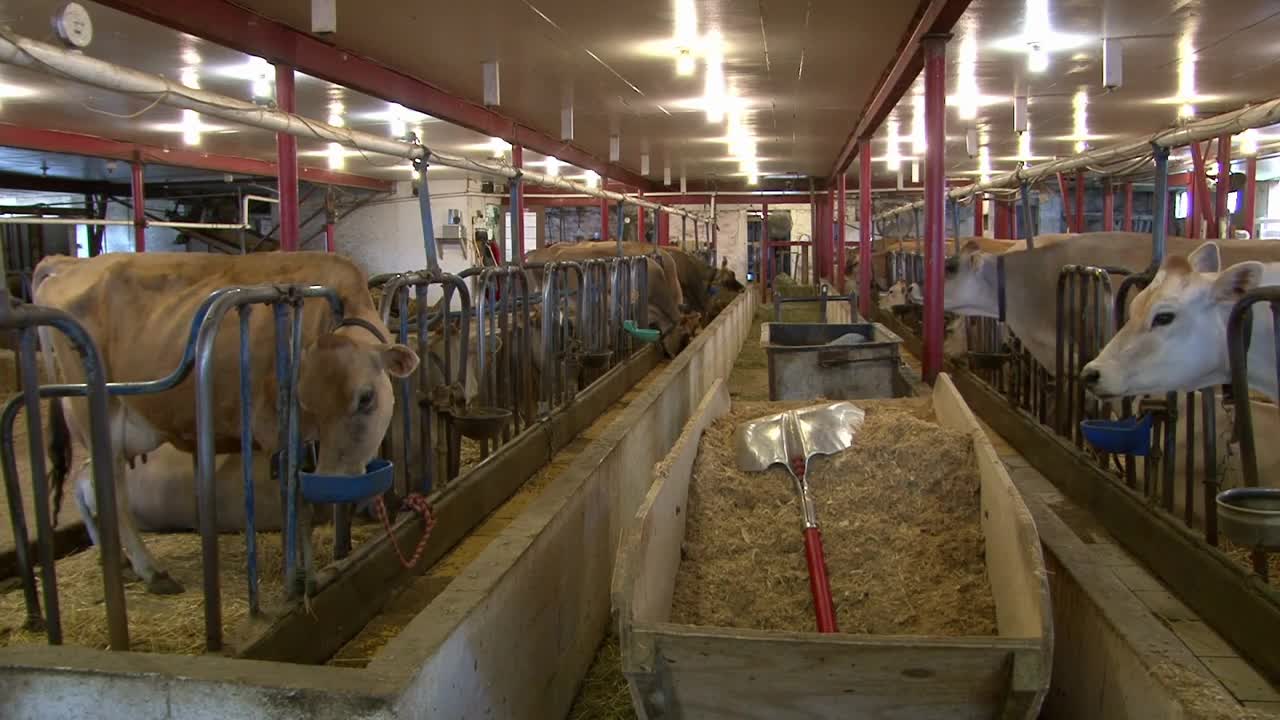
x=834, y=361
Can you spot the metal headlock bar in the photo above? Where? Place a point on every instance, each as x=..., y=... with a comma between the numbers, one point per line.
x=1255, y=116
x=35, y=55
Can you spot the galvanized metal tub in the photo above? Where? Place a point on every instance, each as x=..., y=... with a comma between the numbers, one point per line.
x=808, y=361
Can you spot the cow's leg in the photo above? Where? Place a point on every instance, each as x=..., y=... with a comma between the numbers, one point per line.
x=158, y=581
x=86, y=502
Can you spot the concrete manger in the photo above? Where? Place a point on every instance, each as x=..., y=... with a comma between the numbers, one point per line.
x=767, y=665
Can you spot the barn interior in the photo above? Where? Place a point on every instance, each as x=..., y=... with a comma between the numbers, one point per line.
x=519, y=181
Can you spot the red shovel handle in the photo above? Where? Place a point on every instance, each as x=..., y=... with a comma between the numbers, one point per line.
x=819, y=586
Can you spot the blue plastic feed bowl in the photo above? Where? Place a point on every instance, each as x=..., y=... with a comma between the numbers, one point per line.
x=348, y=488
x=1130, y=436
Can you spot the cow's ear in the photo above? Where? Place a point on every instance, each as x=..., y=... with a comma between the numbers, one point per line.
x=1232, y=283
x=398, y=360
x=1206, y=259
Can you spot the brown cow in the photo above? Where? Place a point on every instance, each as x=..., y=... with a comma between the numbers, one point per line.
x=138, y=310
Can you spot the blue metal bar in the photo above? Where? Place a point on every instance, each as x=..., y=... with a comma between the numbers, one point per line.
x=428, y=228
x=291, y=452
x=246, y=459
x=1160, y=207
x=280, y=315
x=1028, y=226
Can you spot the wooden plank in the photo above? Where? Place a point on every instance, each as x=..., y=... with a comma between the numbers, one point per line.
x=1238, y=605
x=356, y=589
x=738, y=674
x=649, y=553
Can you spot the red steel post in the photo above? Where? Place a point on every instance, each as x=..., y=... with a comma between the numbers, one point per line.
x=139, y=210
x=1080, y=226
x=864, y=226
x=287, y=160
x=604, y=216
x=935, y=120
x=978, y=211
x=1128, y=208
x=1222, y=219
x=517, y=209
x=764, y=262
x=1250, y=194
x=1108, y=206
x=842, y=191
x=1193, y=192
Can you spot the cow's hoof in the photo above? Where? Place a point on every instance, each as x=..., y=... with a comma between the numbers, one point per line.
x=162, y=584
x=128, y=575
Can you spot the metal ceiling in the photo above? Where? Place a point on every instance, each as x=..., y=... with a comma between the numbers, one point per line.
x=806, y=68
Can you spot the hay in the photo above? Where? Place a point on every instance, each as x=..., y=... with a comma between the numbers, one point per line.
x=171, y=623
x=900, y=518
x=604, y=694
x=1200, y=697
x=1243, y=557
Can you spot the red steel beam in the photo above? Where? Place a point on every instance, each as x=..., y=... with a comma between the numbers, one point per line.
x=287, y=161
x=935, y=131
x=604, y=219
x=864, y=227
x=1193, y=194
x=933, y=17
x=139, y=208
x=1001, y=220
x=230, y=25
x=1250, y=194
x=978, y=212
x=90, y=145
x=1224, y=185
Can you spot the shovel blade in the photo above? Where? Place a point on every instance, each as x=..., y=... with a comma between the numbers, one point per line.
x=803, y=433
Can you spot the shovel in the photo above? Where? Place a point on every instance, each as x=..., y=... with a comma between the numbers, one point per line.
x=791, y=438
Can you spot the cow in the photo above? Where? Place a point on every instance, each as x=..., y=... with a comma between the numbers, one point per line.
x=901, y=295
x=1031, y=302
x=1175, y=338
x=138, y=310
x=665, y=296
x=695, y=276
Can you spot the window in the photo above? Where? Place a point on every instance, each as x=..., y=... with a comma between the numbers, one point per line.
x=530, y=232
x=1180, y=205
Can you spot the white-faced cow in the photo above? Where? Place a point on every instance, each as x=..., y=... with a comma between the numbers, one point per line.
x=138, y=310
x=1175, y=338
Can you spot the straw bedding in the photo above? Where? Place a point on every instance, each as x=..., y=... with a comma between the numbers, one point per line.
x=900, y=518
x=172, y=623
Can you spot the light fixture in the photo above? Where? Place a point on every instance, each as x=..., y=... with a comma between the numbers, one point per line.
x=1112, y=63
x=1037, y=58
x=336, y=109
x=190, y=77
x=190, y=56
x=191, y=127
x=553, y=166
x=260, y=75
x=337, y=156
x=892, y=159
x=498, y=147
x=1080, y=115
x=591, y=178
x=915, y=171
x=971, y=142
x=714, y=93
x=967, y=96
x=984, y=163
x=1020, y=113
x=1249, y=142
x=1187, y=110
x=685, y=36
x=1024, y=144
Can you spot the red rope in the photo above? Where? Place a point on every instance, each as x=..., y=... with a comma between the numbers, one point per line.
x=417, y=503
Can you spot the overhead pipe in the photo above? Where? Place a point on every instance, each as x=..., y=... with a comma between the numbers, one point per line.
x=44, y=57
x=176, y=224
x=1235, y=122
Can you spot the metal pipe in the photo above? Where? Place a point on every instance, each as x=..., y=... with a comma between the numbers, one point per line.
x=1262, y=114
x=139, y=208
x=1159, y=208
x=935, y=98
x=517, y=205
x=864, y=227
x=44, y=57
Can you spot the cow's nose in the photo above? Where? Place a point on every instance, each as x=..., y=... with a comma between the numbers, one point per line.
x=1090, y=376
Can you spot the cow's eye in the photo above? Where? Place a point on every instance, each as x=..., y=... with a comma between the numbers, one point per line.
x=366, y=401
x=1162, y=318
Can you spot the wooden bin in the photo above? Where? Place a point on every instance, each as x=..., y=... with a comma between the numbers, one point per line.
x=684, y=671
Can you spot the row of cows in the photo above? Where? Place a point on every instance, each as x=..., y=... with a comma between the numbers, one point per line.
x=1174, y=338
x=138, y=310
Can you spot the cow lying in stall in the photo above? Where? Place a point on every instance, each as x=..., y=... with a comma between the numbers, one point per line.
x=344, y=389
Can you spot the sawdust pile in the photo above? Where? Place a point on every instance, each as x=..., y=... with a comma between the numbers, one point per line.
x=165, y=623
x=900, y=519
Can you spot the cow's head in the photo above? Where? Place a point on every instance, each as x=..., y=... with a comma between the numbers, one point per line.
x=437, y=348
x=972, y=285
x=344, y=391
x=902, y=294
x=1176, y=335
